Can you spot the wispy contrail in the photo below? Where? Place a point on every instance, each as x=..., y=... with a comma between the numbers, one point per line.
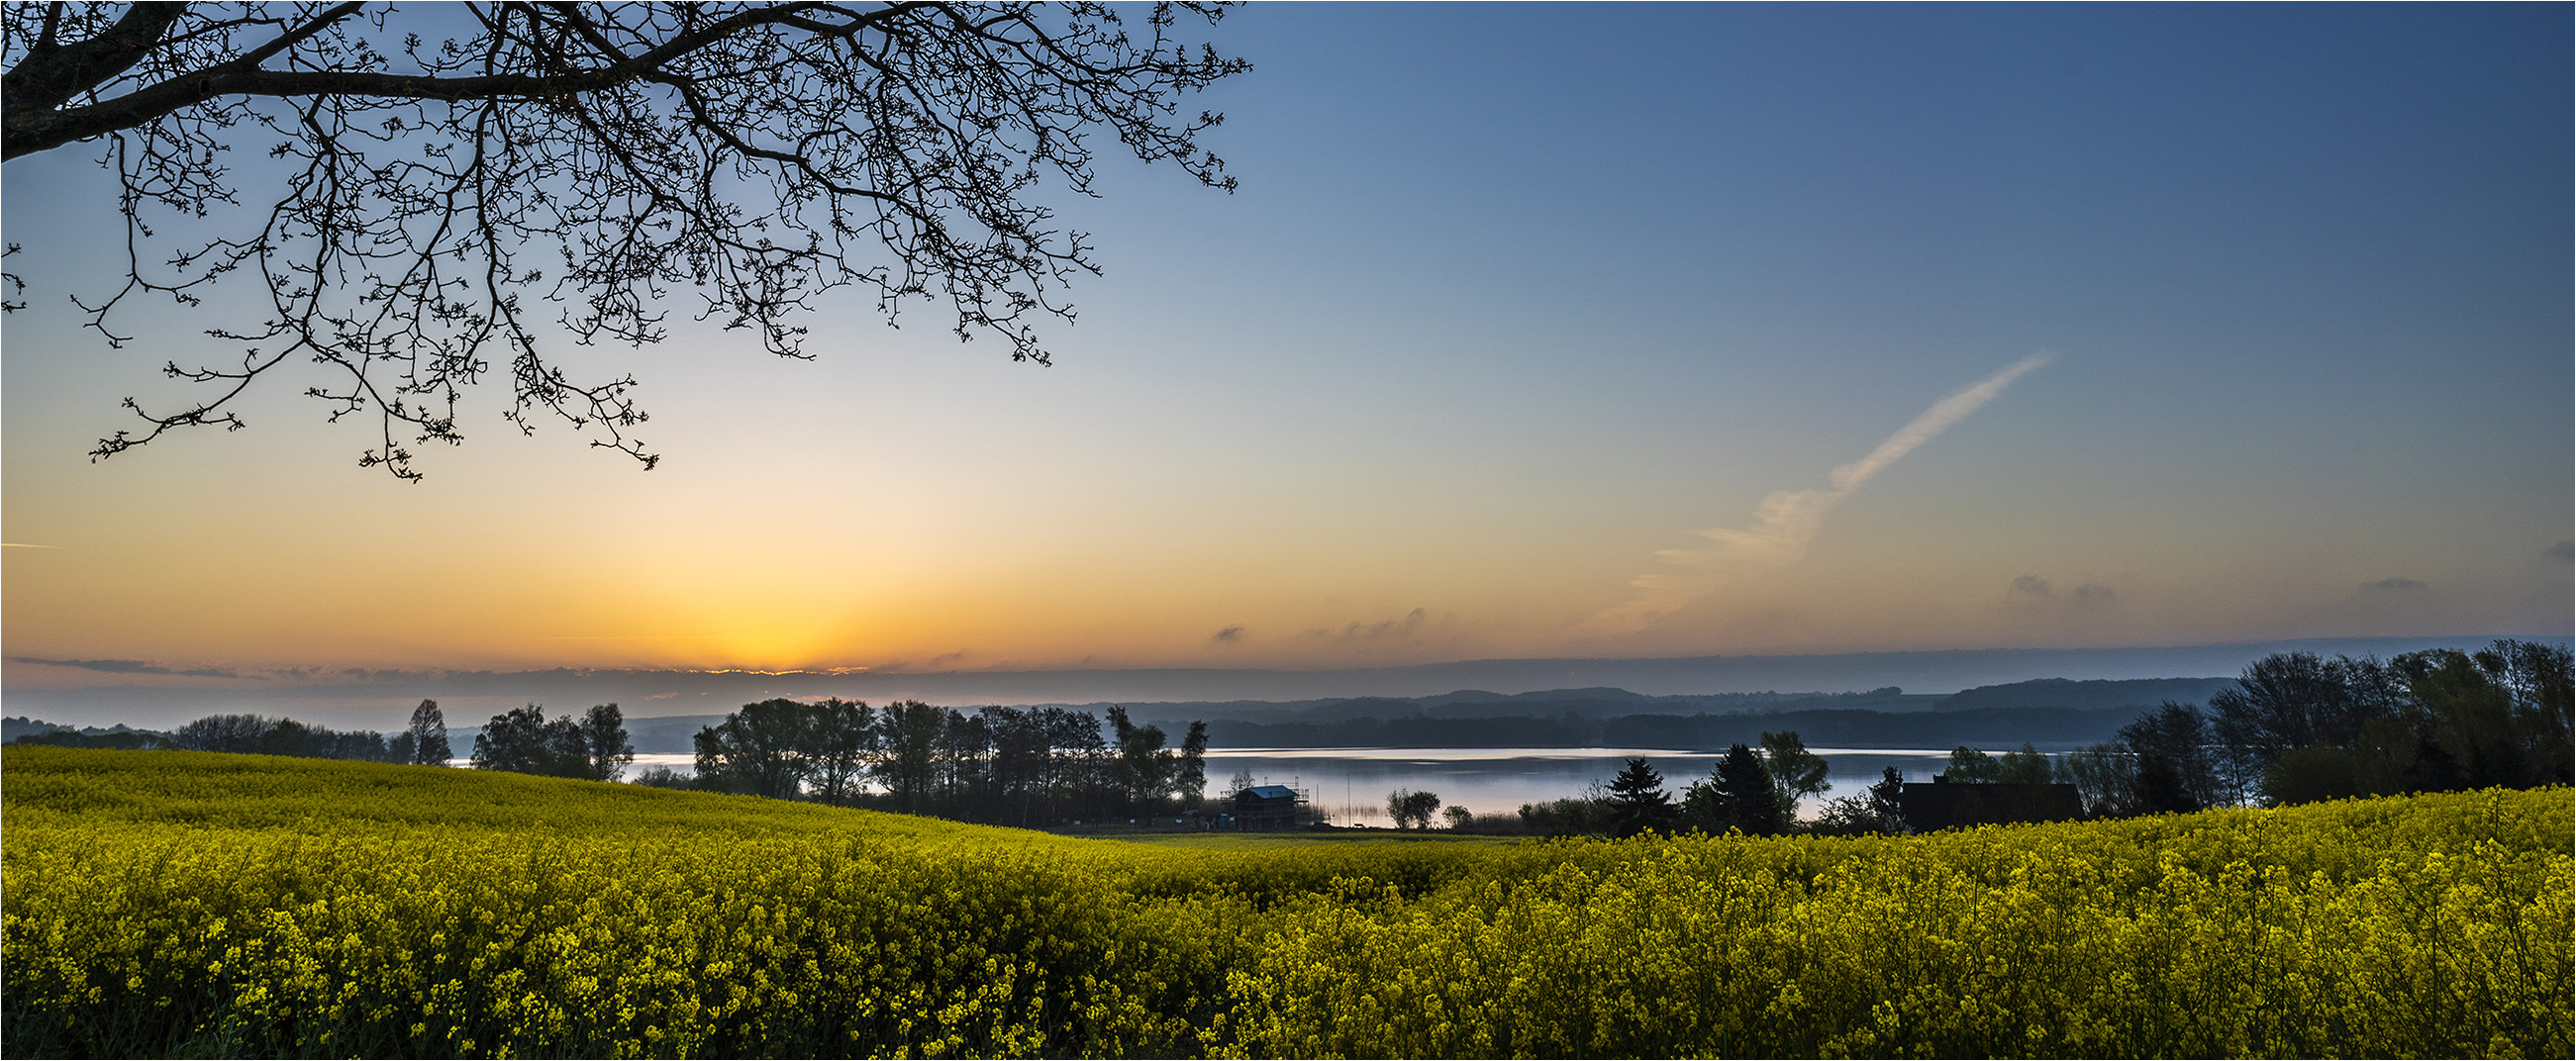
x=1787, y=519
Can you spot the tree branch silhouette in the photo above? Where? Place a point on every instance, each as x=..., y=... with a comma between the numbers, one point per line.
x=435, y=208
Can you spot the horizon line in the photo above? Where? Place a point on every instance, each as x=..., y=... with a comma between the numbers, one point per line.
x=324, y=675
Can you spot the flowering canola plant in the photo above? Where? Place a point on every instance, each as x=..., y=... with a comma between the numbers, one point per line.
x=172, y=902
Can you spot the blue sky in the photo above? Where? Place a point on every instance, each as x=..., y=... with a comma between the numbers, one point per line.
x=1514, y=303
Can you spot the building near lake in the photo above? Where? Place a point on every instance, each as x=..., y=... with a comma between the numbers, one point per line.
x=1943, y=804
x=1270, y=807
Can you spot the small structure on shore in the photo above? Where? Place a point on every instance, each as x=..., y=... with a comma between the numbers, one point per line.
x=1267, y=807
x=1943, y=804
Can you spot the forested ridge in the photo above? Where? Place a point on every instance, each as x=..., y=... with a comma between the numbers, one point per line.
x=2054, y=726
x=2293, y=727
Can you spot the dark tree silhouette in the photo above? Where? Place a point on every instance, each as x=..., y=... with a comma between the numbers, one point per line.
x=2175, y=772
x=446, y=184
x=757, y=750
x=1410, y=809
x=1145, y=766
x=839, y=743
x=222, y=733
x=255, y=734
x=2291, y=700
x=1189, y=778
x=1738, y=794
x=1970, y=765
x=1638, y=801
x=909, y=763
x=2105, y=776
x=1795, y=771
x=1886, y=800
x=1025, y=766
x=1878, y=809
x=523, y=740
x=603, y=730
x=2025, y=767
x=427, y=736
x=2299, y=728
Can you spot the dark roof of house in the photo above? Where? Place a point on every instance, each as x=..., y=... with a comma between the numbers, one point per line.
x=1270, y=792
x=1942, y=805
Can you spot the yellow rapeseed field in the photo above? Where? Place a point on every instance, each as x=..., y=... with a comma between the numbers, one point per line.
x=174, y=902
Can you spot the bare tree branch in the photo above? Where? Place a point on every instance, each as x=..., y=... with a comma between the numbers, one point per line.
x=438, y=203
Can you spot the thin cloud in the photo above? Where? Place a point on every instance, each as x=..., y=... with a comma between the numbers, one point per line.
x=1227, y=636
x=136, y=666
x=2562, y=552
x=2036, y=592
x=1787, y=520
x=2396, y=585
x=1411, y=624
x=24, y=545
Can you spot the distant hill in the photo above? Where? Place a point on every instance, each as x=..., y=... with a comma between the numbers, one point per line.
x=2060, y=692
x=669, y=735
x=1590, y=703
x=2053, y=712
x=55, y=688
x=2051, y=728
x=15, y=726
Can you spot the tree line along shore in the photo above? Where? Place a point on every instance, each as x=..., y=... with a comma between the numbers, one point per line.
x=2295, y=728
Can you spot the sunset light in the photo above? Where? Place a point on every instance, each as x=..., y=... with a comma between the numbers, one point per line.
x=1054, y=528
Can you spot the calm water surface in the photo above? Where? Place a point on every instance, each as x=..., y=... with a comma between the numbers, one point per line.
x=1351, y=784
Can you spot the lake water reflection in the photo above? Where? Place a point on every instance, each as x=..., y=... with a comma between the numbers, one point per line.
x=1351, y=784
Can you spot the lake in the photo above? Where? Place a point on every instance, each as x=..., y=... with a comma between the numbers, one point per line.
x=1351, y=784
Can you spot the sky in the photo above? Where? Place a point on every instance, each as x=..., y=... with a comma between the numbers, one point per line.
x=1532, y=331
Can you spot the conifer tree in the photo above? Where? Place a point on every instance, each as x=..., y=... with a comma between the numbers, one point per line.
x=1637, y=800
x=1738, y=794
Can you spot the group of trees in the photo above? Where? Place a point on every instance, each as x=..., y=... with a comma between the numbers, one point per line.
x=2299, y=728
x=1749, y=790
x=2029, y=766
x=2296, y=728
x=2168, y=761
x=1027, y=766
x=1413, y=810
x=424, y=742
x=117, y=739
x=523, y=740
x=1755, y=792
